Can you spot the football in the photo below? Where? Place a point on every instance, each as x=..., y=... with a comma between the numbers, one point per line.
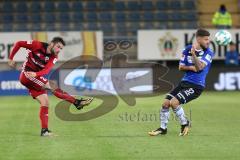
x=223, y=37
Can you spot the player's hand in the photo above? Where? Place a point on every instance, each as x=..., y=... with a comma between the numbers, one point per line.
x=31, y=74
x=193, y=49
x=12, y=64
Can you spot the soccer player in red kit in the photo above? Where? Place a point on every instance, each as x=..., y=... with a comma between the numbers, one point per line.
x=40, y=60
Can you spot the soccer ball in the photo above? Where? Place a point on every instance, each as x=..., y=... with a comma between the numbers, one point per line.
x=223, y=37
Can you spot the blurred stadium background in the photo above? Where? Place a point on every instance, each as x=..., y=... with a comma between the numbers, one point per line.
x=145, y=30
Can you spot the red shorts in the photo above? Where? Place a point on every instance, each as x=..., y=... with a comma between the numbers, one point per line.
x=33, y=84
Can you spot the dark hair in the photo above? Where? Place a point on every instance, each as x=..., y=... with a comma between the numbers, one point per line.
x=202, y=32
x=231, y=43
x=222, y=7
x=58, y=39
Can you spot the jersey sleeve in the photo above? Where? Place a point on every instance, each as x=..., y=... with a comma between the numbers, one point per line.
x=207, y=58
x=48, y=67
x=25, y=44
x=184, y=56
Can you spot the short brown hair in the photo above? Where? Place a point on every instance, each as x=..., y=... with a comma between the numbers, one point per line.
x=58, y=39
x=202, y=32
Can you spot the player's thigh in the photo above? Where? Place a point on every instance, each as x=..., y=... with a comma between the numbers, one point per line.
x=174, y=92
x=186, y=95
x=51, y=85
x=171, y=95
x=36, y=83
x=36, y=92
x=43, y=100
x=174, y=103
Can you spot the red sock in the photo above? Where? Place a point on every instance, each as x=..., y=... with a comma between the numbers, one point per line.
x=64, y=95
x=43, y=114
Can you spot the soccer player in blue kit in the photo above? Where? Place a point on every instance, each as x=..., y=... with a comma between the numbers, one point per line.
x=195, y=62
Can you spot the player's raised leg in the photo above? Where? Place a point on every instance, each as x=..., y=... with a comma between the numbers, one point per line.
x=79, y=103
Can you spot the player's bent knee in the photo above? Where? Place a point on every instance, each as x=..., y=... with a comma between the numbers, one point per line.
x=174, y=103
x=47, y=86
x=44, y=103
x=166, y=103
x=43, y=100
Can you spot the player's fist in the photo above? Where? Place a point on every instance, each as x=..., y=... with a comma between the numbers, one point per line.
x=12, y=64
x=193, y=49
x=30, y=74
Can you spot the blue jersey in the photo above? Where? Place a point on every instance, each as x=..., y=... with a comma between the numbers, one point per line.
x=204, y=56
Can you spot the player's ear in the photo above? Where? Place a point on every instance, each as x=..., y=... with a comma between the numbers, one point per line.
x=198, y=39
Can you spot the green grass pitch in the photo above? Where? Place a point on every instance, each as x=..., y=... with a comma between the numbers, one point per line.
x=122, y=133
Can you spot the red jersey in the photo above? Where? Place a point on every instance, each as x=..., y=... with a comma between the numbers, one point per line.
x=38, y=60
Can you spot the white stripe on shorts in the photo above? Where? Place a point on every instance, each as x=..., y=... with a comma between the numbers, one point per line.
x=34, y=80
x=170, y=95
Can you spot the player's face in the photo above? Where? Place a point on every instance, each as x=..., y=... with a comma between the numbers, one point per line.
x=204, y=41
x=56, y=48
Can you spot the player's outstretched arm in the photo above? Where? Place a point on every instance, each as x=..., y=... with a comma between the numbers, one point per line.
x=15, y=49
x=47, y=68
x=18, y=45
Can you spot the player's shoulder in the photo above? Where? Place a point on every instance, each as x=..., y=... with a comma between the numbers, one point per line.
x=209, y=51
x=187, y=49
x=54, y=56
x=36, y=44
x=39, y=43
